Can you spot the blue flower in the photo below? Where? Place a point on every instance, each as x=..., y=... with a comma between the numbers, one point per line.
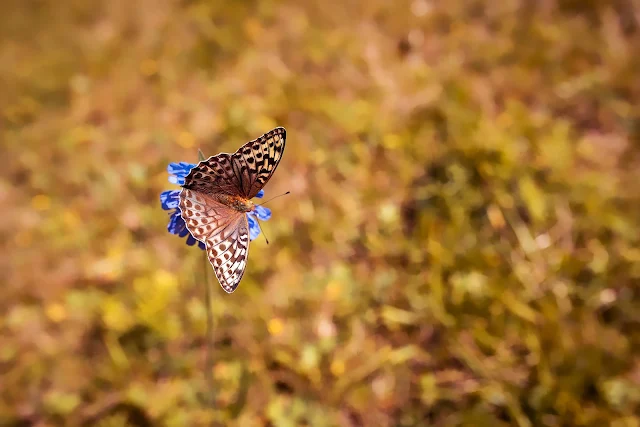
x=261, y=213
x=179, y=171
x=170, y=201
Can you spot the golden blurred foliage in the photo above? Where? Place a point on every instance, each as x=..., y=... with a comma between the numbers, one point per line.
x=460, y=246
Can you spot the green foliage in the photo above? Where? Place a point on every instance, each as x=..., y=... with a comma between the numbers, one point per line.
x=461, y=246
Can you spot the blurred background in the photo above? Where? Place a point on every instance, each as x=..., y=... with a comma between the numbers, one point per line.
x=461, y=245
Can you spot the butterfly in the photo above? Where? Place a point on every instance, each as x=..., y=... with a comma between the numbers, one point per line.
x=216, y=195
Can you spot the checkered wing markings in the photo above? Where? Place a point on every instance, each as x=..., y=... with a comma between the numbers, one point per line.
x=243, y=173
x=255, y=162
x=228, y=252
x=216, y=174
x=224, y=231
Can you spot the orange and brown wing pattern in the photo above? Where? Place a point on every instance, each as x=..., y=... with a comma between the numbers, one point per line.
x=255, y=162
x=242, y=173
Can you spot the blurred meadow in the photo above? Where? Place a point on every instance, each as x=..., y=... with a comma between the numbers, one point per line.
x=461, y=246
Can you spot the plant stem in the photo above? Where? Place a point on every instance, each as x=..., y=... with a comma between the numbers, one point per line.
x=209, y=334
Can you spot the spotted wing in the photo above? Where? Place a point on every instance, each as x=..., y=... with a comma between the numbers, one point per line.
x=224, y=231
x=254, y=162
x=215, y=175
x=242, y=173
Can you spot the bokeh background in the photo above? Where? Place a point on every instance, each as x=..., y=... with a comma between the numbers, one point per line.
x=461, y=245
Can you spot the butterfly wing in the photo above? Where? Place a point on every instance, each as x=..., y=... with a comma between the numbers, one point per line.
x=242, y=173
x=256, y=161
x=214, y=175
x=224, y=231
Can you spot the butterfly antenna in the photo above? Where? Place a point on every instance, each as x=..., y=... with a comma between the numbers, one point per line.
x=264, y=203
x=261, y=230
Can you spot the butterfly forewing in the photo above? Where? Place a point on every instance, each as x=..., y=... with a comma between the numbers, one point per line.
x=259, y=158
x=223, y=229
x=214, y=175
x=242, y=173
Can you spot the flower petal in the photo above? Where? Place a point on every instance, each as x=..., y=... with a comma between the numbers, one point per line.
x=179, y=171
x=185, y=231
x=191, y=240
x=176, y=223
x=254, y=228
x=170, y=199
x=262, y=213
x=176, y=180
x=260, y=194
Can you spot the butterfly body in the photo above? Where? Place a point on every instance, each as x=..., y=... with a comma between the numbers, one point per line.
x=216, y=197
x=235, y=202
